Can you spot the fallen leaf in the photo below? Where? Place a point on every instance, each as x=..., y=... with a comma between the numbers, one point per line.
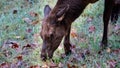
x=29, y=30
x=53, y=65
x=19, y=57
x=87, y=52
x=4, y=65
x=36, y=37
x=73, y=46
x=35, y=22
x=117, y=27
x=92, y=29
x=27, y=46
x=73, y=33
x=68, y=65
x=45, y=65
x=60, y=65
x=82, y=40
x=34, y=14
x=112, y=63
x=74, y=66
x=63, y=55
x=89, y=19
x=108, y=50
x=35, y=66
x=84, y=66
x=27, y=20
x=14, y=45
x=73, y=59
x=7, y=53
x=116, y=51
x=17, y=37
x=97, y=65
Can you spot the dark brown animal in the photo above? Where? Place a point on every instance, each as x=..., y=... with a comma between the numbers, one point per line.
x=57, y=24
x=115, y=11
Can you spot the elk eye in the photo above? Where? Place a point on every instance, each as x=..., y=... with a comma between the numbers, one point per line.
x=51, y=37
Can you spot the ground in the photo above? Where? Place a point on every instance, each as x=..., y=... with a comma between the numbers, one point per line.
x=20, y=43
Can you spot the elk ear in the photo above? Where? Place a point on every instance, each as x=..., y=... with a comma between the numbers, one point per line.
x=93, y=1
x=47, y=10
x=62, y=12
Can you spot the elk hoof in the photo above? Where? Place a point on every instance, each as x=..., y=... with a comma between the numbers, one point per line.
x=103, y=45
x=68, y=52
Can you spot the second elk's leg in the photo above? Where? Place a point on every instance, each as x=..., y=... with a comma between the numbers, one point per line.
x=107, y=12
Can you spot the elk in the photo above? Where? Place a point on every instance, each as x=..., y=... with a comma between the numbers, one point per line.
x=57, y=24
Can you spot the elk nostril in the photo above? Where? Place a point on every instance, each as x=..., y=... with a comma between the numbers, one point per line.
x=43, y=56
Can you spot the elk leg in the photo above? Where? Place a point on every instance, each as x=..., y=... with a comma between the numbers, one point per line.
x=67, y=44
x=106, y=17
x=115, y=13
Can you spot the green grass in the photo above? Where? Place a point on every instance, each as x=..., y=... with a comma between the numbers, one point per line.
x=13, y=28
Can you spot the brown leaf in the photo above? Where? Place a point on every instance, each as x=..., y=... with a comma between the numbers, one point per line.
x=19, y=57
x=14, y=45
x=117, y=27
x=108, y=50
x=7, y=53
x=34, y=14
x=87, y=52
x=27, y=46
x=36, y=37
x=4, y=65
x=27, y=20
x=17, y=37
x=97, y=65
x=116, y=51
x=73, y=46
x=53, y=65
x=34, y=66
x=84, y=66
x=63, y=55
x=45, y=65
x=74, y=66
x=73, y=33
x=112, y=63
x=29, y=30
x=35, y=22
x=60, y=65
x=68, y=65
x=89, y=19
x=92, y=29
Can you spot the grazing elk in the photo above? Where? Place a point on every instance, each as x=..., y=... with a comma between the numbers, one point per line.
x=57, y=24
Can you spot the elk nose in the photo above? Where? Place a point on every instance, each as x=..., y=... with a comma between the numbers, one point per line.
x=43, y=56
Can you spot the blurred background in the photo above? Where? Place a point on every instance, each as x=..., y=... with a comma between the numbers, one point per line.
x=20, y=42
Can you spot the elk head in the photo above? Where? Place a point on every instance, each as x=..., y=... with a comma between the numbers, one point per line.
x=53, y=30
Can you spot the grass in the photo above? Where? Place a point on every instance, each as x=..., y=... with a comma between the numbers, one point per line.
x=15, y=29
